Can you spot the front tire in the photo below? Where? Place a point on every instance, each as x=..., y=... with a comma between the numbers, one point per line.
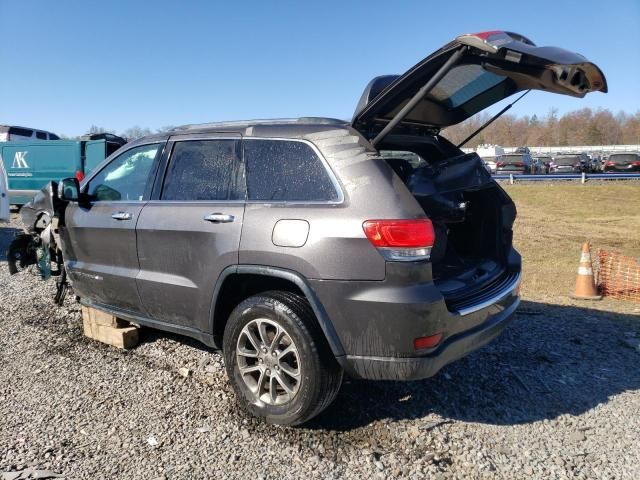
x=278, y=360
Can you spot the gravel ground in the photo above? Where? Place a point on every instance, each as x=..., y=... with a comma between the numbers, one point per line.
x=556, y=396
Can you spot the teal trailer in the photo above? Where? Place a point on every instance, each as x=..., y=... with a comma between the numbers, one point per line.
x=31, y=165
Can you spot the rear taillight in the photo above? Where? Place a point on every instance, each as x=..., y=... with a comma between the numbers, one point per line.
x=519, y=164
x=401, y=240
x=79, y=175
x=500, y=164
x=611, y=164
x=636, y=164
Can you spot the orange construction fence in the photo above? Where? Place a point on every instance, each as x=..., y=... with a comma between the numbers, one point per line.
x=618, y=276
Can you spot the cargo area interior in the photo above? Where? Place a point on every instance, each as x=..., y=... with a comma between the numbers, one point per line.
x=471, y=215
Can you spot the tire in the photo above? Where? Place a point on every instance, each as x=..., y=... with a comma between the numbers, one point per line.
x=301, y=349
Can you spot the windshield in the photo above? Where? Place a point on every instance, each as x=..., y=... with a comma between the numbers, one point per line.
x=567, y=160
x=623, y=158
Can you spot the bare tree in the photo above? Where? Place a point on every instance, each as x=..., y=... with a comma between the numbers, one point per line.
x=579, y=127
x=135, y=132
x=95, y=129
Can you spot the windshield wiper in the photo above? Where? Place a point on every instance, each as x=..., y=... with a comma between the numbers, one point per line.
x=492, y=119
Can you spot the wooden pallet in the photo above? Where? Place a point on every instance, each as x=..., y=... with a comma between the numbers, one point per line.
x=107, y=328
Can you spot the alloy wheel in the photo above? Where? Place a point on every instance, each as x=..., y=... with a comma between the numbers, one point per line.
x=268, y=362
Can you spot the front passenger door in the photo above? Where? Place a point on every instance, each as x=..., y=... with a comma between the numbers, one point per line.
x=99, y=238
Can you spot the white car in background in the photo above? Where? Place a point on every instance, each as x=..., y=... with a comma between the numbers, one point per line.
x=9, y=133
x=490, y=155
x=4, y=194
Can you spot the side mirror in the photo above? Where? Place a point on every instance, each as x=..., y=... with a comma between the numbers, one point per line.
x=69, y=189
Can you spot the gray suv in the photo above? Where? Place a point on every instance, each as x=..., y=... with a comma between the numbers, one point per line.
x=313, y=247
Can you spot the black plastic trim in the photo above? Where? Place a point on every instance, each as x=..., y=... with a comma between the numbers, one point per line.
x=203, y=337
x=318, y=309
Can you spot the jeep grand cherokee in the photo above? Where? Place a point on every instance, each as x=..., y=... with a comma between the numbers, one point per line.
x=311, y=247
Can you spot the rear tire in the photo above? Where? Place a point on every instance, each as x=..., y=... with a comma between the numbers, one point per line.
x=278, y=359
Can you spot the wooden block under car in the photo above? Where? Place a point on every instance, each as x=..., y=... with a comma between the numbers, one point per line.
x=107, y=328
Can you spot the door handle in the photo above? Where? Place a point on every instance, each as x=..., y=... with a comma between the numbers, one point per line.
x=121, y=216
x=219, y=218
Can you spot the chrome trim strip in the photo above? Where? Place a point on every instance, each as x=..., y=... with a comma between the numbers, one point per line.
x=506, y=291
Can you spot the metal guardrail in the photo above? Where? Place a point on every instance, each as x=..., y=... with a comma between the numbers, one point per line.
x=575, y=176
x=597, y=149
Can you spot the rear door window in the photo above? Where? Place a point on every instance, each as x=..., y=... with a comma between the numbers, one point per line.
x=204, y=170
x=286, y=170
x=41, y=135
x=53, y=136
x=127, y=177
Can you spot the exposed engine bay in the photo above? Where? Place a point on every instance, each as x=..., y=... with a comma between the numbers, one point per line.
x=39, y=244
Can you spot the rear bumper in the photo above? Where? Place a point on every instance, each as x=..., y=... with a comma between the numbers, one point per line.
x=377, y=322
x=414, y=368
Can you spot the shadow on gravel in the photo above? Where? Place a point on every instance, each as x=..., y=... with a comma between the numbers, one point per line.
x=7, y=234
x=552, y=360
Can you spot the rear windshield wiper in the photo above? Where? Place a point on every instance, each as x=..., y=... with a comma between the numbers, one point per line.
x=492, y=119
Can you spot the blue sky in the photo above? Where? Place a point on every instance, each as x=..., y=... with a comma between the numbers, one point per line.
x=66, y=65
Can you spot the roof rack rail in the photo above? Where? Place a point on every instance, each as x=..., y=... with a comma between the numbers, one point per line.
x=275, y=121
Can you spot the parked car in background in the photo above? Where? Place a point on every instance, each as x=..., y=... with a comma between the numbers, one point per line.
x=30, y=165
x=538, y=166
x=20, y=134
x=491, y=155
x=592, y=163
x=569, y=163
x=623, y=163
x=545, y=162
x=4, y=195
x=299, y=249
x=516, y=163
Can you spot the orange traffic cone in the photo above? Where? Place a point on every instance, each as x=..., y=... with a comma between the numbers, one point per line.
x=585, y=285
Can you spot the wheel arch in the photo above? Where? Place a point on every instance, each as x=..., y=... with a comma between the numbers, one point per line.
x=226, y=297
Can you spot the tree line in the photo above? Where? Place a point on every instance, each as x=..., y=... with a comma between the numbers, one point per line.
x=131, y=133
x=578, y=127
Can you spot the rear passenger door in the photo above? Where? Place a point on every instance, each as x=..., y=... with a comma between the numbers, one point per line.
x=190, y=231
x=291, y=210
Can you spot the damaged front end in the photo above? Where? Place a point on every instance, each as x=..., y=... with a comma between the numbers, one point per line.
x=39, y=243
